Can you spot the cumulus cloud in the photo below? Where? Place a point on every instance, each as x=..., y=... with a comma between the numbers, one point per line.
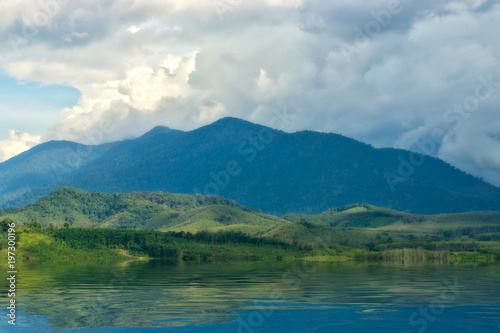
x=385, y=72
x=17, y=143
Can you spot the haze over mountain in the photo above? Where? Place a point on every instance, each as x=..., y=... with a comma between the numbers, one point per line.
x=277, y=172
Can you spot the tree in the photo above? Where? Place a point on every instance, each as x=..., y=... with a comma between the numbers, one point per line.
x=66, y=225
x=5, y=224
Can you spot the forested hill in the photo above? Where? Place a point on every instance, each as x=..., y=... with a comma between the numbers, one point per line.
x=144, y=211
x=193, y=213
x=69, y=222
x=277, y=172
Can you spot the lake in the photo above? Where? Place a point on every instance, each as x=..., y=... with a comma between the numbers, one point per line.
x=155, y=296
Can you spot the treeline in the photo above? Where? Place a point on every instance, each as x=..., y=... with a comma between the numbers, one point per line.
x=5, y=211
x=202, y=246
x=238, y=237
x=347, y=207
x=469, y=231
x=295, y=240
x=109, y=237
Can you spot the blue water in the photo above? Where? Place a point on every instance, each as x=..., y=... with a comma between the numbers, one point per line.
x=246, y=297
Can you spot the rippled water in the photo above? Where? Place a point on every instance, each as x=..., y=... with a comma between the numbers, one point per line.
x=255, y=297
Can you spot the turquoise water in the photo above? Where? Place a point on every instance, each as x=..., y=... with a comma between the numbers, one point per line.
x=256, y=297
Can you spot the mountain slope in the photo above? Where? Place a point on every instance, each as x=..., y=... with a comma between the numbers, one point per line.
x=353, y=226
x=356, y=215
x=37, y=172
x=278, y=172
x=144, y=211
x=382, y=219
x=44, y=164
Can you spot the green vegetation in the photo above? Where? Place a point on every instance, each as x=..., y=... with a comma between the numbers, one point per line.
x=369, y=216
x=36, y=243
x=72, y=225
x=143, y=211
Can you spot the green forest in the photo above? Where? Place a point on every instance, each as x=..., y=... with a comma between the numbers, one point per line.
x=73, y=225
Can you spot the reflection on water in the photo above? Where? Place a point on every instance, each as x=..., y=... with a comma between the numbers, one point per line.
x=255, y=297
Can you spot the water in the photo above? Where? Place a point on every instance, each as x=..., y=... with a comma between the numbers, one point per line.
x=256, y=297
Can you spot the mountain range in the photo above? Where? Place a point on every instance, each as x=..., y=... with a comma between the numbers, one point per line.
x=269, y=170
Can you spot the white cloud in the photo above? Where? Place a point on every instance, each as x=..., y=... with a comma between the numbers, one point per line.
x=17, y=143
x=134, y=29
x=176, y=63
x=210, y=114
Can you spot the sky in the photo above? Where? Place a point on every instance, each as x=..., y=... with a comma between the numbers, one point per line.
x=419, y=75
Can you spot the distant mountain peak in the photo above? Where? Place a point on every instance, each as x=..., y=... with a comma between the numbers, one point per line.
x=230, y=119
x=233, y=122
x=160, y=130
x=231, y=126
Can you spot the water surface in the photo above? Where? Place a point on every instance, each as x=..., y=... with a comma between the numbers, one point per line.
x=257, y=297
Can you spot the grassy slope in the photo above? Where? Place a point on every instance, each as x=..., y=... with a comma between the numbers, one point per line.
x=330, y=237
x=340, y=230
x=215, y=218
x=144, y=211
x=387, y=231
x=383, y=219
x=477, y=222
x=362, y=215
x=193, y=213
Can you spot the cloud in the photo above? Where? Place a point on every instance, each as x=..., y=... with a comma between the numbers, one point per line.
x=17, y=143
x=185, y=63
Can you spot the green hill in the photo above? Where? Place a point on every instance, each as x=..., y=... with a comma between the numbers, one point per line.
x=144, y=211
x=193, y=213
x=307, y=232
x=357, y=215
x=358, y=232
x=383, y=219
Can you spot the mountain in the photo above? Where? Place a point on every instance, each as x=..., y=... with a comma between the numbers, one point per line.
x=23, y=177
x=277, y=172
